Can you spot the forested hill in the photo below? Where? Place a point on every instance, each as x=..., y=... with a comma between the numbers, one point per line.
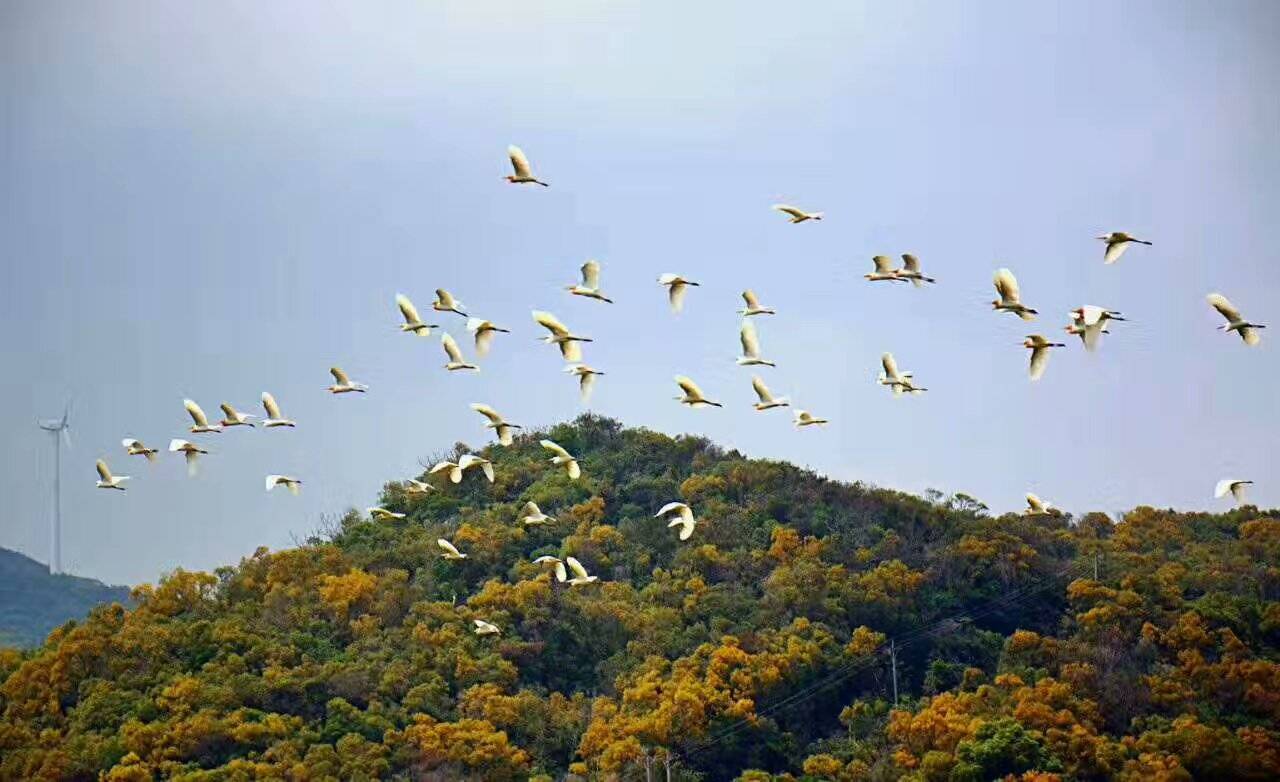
x=33, y=602
x=757, y=650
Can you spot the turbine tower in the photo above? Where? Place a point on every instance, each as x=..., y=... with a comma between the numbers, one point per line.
x=60, y=428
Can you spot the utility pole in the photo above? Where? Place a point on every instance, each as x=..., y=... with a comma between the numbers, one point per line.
x=893, y=662
x=60, y=429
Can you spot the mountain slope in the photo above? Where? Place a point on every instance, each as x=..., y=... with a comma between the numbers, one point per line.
x=761, y=643
x=32, y=602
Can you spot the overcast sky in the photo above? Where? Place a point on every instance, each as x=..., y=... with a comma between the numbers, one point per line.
x=219, y=199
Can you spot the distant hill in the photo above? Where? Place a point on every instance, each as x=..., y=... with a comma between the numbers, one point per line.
x=809, y=630
x=32, y=602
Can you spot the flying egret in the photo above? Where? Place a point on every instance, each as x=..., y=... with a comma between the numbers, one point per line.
x=483, y=627
x=454, y=353
x=108, y=481
x=1010, y=301
x=751, y=347
x=1039, y=347
x=201, y=422
x=1037, y=506
x=382, y=514
x=560, y=335
x=485, y=330
x=415, y=486
x=1232, y=486
x=563, y=458
x=450, y=468
x=450, y=551
x=1090, y=321
x=796, y=215
x=292, y=484
x=805, y=418
x=911, y=270
x=412, y=321
x=547, y=559
x=446, y=303
x=469, y=460
x=274, y=418
x=693, y=396
x=496, y=422
x=233, y=417
x=884, y=271
x=899, y=382
x=190, y=450
x=683, y=519
x=586, y=379
x=767, y=400
x=136, y=448
x=342, y=384
x=590, y=285
x=753, y=305
x=580, y=575
x=1235, y=322
x=677, y=287
x=523, y=173
x=534, y=515
x=1117, y=243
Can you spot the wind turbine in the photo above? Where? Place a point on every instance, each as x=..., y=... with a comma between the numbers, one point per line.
x=60, y=428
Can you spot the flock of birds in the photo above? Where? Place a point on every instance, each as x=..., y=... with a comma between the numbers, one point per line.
x=1087, y=322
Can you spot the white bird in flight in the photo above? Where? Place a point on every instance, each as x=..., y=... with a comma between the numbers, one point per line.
x=1235, y=321
x=497, y=423
x=911, y=271
x=796, y=215
x=884, y=271
x=342, y=384
x=1232, y=486
x=547, y=559
x=292, y=484
x=412, y=320
x=108, y=481
x=415, y=486
x=899, y=382
x=563, y=458
x=767, y=400
x=533, y=515
x=233, y=417
x=451, y=349
x=201, y=422
x=274, y=417
x=1090, y=323
x=382, y=514
x=449, y=468
x=753, y=305
x=805, y=418
x=483, y=627
x=1117, y=243
x=1039, y=347
x=586, y=379
x=485, y=331
x=590, y=285
x=450, y=551
x=560, y=335
x=677, y=287
x=1010, y=300
x=751, y=347
x=523, y=172
x=683, y=519
x=469, y=460
x=580, y=575
x=136, y=448
x=1036, y=506
x=446, y=303
x=693, y=396
x=189, y=450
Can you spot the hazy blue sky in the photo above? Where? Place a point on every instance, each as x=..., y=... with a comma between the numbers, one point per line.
x=216, y=199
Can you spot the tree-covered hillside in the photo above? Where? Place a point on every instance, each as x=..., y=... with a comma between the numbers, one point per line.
x=762, y=648
x=33, y=602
